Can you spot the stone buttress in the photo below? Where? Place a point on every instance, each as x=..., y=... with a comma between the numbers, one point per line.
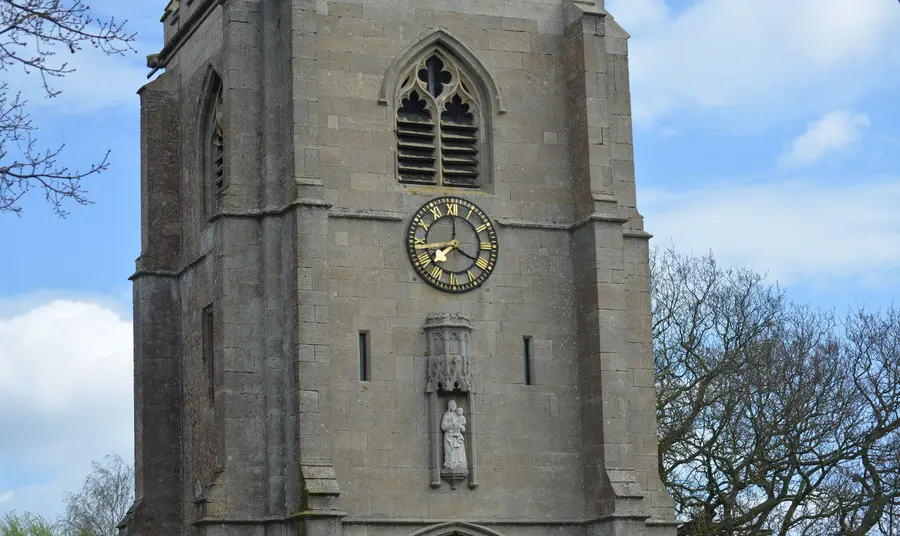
x=294, y=371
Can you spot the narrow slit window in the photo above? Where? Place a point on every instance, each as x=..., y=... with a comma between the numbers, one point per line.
x=364, y=364
x=214, y=141
x=529, y=366
x=218, y=147
x=209, y=358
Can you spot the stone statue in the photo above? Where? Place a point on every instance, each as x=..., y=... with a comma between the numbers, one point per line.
x=454, y=424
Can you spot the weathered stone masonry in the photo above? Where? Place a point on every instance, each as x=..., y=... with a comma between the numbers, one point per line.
x=251, y=418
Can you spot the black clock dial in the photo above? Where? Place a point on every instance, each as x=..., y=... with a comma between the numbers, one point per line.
x=452, y=244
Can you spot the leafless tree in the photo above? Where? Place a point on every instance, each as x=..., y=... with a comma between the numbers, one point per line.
x=103, y=500
x=774, y=418
x=33, y=33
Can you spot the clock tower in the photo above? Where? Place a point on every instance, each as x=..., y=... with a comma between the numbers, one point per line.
x=393, y=278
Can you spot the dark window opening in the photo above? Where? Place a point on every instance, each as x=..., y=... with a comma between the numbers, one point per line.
x=364, y=364
x=218, y=147
x=438, y=138
x=529, y=369
x=459, y=144
x=435, y=76
x=208, y=335
x=415, y=141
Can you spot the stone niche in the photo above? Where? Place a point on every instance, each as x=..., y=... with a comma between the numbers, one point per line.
x=449, y=385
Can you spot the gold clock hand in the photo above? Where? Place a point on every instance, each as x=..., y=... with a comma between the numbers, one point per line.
x=441, y=254
x=451, y=244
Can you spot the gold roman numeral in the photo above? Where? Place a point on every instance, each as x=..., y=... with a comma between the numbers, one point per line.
x=421, y=224
x=418, y=241
x=471, y=276
x=470, y=213
x=452, y=209
x=453, y=280
x=436, y=212
x=487, y=246
x=482, y=263
x=437, y=273
x=424, y=259
x=482, y=227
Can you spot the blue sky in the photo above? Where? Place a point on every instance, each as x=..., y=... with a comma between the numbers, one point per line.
x=767, y=131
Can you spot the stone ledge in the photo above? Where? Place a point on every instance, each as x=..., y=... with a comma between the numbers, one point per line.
x=426, y=521
x=366, y=215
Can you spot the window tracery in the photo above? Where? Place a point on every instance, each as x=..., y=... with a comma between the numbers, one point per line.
x=439, y=138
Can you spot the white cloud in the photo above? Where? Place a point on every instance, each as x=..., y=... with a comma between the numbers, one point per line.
x=799, y=232
x=836, y=130
x=65, y=399
x=765, y=56
x=7, y=496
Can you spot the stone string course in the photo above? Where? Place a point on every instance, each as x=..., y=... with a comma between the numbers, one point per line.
x=305, y=248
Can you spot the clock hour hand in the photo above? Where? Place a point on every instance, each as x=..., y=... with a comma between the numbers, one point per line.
x=441, y=254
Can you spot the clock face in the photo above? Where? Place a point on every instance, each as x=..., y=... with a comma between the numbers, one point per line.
x=452, y=244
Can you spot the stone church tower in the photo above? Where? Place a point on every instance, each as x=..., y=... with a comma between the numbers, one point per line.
x=393, y=280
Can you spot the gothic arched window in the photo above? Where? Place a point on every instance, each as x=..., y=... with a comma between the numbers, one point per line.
x=213, y=144
x=439, y=122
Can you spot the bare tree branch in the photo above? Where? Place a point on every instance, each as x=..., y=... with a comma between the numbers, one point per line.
x=32, y=33
x=103, y=500
x=773, y=418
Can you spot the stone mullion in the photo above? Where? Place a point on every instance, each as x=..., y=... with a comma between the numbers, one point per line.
x=438, y=142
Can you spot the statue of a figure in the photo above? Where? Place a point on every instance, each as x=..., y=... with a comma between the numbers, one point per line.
x=454, y=424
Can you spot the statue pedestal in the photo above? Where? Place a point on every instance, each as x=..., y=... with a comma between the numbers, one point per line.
x=454, y=476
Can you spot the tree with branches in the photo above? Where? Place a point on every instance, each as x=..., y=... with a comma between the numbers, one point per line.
x=33, y=35
x=27, y=524
x=773, y=418
x=103, y=500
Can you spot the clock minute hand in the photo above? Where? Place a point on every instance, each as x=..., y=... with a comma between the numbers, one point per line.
x=451, y=244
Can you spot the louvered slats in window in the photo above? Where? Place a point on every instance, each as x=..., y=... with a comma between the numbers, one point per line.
x=459, y=154
x=459, y=144
x=415, y=142
x=218, y=143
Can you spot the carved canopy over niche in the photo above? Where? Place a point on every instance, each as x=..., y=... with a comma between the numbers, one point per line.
x=448, y=353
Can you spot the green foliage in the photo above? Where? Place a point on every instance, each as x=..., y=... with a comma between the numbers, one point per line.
x=27, y=524
x=101, y=503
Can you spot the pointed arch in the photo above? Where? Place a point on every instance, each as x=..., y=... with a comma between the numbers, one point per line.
x=212, y=138
x=444, y=101
x=460, y=528
x=448, y=41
